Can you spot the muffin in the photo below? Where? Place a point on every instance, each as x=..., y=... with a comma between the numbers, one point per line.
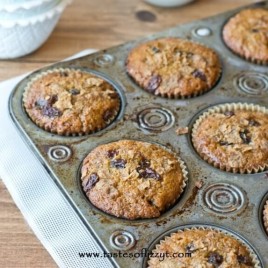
x=207, y=247
x=132, y=179
x=71, y=102
x=173, y=67
x=233, y=137
x=246, y=34
x=265, y=216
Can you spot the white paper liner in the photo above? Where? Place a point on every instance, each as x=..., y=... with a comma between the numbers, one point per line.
x=38, y=18
x=221, y=109
x=254, y=257
x=22, y=5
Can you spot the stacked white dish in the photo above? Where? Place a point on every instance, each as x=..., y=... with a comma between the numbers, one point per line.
x=26, y=24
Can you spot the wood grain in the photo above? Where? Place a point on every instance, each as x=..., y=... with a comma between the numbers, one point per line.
x=84, y=24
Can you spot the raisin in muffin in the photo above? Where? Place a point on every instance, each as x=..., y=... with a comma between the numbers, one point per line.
x=132, y=179
x=173, y=67
x=208, y=248
x=233, y=137
x=71, y=102
x=246, y=34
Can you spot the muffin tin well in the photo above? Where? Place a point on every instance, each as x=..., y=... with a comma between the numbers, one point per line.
x=211, y=227
x=35, y=118
x=229, y=110
x=212, y=197
x=177, y=204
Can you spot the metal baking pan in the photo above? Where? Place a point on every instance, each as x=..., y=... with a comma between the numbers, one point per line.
x=239, y=200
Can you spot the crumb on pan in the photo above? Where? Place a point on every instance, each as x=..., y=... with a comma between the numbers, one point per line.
x=182, y=130
x=199, y=184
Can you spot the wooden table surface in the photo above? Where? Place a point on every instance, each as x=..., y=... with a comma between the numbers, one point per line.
x=84, y=24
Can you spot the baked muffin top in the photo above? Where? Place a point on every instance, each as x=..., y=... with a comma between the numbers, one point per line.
x=173, y=67
x=233, y=140
x=208, y=248
x=246, y=34
x=71, y=102
x=132, y=179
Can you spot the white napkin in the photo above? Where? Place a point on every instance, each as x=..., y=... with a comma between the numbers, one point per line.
x=43, y=205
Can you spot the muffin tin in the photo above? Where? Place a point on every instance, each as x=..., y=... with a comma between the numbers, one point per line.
x=211, y=198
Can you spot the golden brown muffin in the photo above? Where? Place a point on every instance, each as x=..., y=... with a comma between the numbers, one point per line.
x=71, y=102
x=208, y=248
x=132, y=179
x=246, y=34
x=233, y=139
x=173, y=67
x=265, y=216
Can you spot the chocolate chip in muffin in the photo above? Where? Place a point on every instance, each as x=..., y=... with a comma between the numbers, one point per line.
x=155, y=49
x=190, y=248
x=215, y=258
x=244, y=260
x=64, y=74
x=74, y=91
x=244, y=136
x=41, y=103
x=229, y=113
x=254, y=30
x=52, y=99
x=112, y=153
x=177, y=51
x=148, y=173
x=199, y=74
x=113, y=95
x=144, y=163
x=253, y=123
x=223, y=143
x=154, y=83
x=51, y=111
x=91, y=181
x=108, y=114
x=46, y=106
x=49, y=102
x=118, y=163
x=189, y=55
x=145, y=171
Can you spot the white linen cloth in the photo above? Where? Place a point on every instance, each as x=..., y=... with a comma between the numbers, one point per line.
x=42, y=204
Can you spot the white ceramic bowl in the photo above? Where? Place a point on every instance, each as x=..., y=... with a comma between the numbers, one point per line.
x=12, y=5
x=168, y=3
x=21, y=37
x=24, y=13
